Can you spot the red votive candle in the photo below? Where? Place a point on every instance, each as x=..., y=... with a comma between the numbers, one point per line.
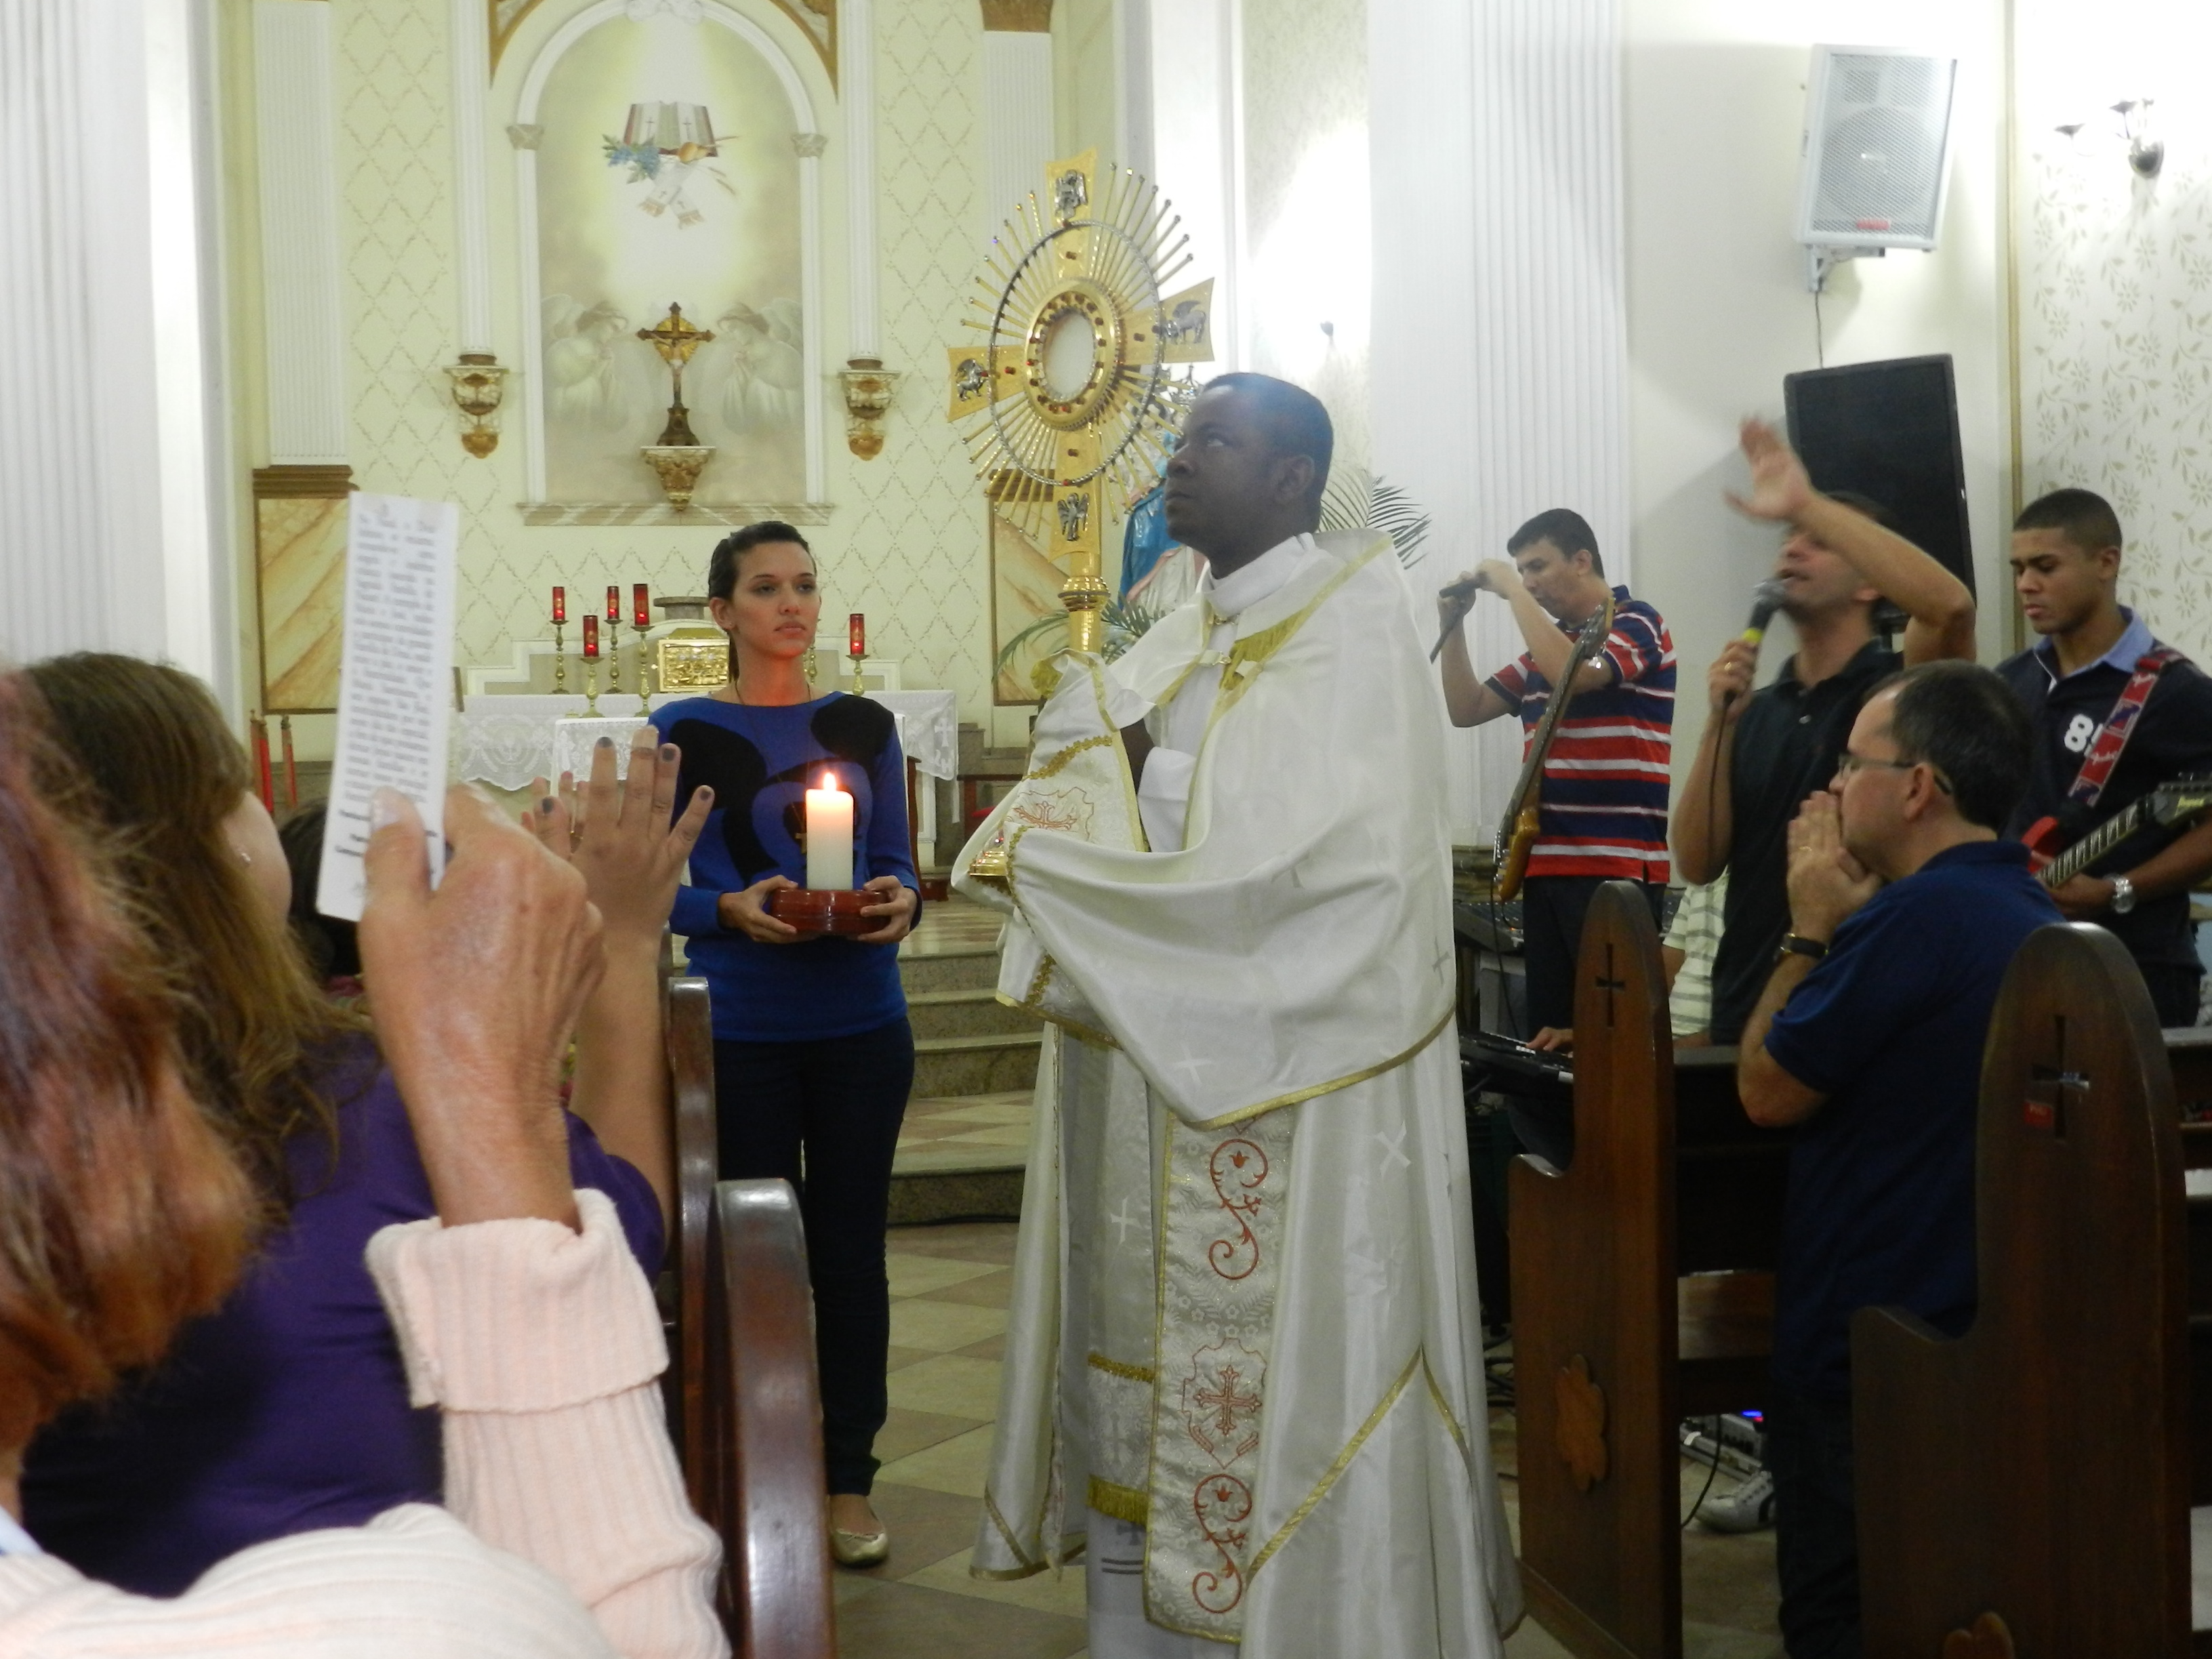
x=640, y=601
x=614, y=605
x=857, y=634
x=590, y=634
x=560, y=604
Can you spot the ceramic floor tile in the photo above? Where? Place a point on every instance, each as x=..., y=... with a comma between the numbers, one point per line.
x=925, y=1526
x=899, y=1359
x=955, y=1466
x=992, y=1113
x=966, y=1241
x=1000, y=1134
x=951, y=1385
x=990, y=1288
x=991, y=1347
x=911, y=1621
x=1043, y=1592
x=941, y=1327
x=905, y=1431
x=927, y=1275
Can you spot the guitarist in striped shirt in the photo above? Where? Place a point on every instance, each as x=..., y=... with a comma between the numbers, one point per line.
x=2096, y=655
x=1602, y=802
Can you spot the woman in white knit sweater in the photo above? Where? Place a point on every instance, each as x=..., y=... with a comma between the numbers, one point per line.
x=520, y=1311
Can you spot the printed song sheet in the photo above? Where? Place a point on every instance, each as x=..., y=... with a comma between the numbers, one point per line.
x=392, y=682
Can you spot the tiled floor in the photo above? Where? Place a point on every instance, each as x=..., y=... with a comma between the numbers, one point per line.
x=964, y=1132
x=949, y=1289
x=953, y=926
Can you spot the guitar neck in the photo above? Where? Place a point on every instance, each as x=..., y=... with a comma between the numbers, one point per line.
x=2091, y=847
x=1540, y=744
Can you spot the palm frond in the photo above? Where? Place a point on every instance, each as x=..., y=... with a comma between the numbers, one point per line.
x=1356, y=501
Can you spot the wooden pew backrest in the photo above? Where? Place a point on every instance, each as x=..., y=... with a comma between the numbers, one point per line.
x=764, y=1432
x=2037, y=1468
x=689, y=1035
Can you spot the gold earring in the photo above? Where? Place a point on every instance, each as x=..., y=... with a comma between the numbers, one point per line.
x=809, y=663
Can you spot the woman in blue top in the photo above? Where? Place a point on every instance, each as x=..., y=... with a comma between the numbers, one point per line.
x=813, y=1057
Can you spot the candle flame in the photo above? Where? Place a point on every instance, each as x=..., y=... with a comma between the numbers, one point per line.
x=830, y=780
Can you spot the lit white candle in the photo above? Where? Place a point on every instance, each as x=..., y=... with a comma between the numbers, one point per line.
x=828, y=837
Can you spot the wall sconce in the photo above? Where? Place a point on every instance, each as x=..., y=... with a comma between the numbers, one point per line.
x=868, y=389
x=479, y=383
x=2146, y=154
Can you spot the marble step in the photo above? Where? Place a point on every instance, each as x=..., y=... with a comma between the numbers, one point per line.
x=964, y=1014
x=974, y=967
x=989, y=1064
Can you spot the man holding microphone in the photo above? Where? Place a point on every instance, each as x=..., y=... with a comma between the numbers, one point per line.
x=1762, y=753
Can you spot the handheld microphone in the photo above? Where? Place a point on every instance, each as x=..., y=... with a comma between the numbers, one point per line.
x=1765, y=599
x=1456, y=592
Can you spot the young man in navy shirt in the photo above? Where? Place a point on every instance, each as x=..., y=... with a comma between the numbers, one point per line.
x=1905, y=912
x=2066, y=569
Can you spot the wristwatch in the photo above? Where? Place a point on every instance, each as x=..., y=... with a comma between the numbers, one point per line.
x=2123, y=896
x=1797, y=945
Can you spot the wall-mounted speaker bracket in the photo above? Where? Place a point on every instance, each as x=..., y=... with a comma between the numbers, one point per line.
x=1820, y=261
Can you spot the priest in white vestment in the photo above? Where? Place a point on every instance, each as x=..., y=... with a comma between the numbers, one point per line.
x=1245, y=1361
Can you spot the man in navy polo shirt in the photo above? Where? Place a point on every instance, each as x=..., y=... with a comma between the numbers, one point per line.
x=1904, y=911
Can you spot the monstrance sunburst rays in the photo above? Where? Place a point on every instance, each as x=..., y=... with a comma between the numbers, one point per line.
x=1071, y=385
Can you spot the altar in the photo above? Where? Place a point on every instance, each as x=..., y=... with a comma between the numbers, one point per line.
x=509, y=739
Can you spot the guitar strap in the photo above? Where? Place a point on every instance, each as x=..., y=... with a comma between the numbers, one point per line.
x=2111, y=738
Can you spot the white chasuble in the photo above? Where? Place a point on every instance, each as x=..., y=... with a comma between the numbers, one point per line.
x=1245, y=1312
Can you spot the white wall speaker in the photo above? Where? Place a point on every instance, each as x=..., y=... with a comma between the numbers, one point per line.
x=1877, y=148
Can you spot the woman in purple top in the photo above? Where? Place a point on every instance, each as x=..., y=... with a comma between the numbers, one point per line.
x=287, y=1409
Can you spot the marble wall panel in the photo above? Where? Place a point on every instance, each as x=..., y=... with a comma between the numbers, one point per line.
x=299, y=556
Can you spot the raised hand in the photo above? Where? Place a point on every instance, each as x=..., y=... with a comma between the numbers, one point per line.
x=1728, y=682
x=476, y=988
x=1780, y=488
x=619, y=836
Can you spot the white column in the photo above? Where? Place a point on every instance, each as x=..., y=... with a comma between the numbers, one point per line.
x=1500, y=352
x=1018, y=129
x=856, y=94
x=470, y=51
x=1194, y=52
x=104, y=533
x=304, y=323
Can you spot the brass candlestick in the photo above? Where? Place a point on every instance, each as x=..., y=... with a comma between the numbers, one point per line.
x=560, y=661
x=644, y=694
x=858, y=657
x=591, y=690
x=614, y=657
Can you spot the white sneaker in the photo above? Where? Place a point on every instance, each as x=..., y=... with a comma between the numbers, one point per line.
x=1748, y=1508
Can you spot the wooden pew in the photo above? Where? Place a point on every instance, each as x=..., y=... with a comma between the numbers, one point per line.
x=2025, y=1488
x=1613, y=1346
x=745, y=1405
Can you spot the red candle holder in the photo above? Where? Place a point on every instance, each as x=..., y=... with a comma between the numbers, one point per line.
x=815, y=911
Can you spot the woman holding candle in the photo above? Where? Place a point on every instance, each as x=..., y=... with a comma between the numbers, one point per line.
x=813, y=1057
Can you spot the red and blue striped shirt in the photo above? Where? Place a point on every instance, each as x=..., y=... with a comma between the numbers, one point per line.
x=1602, y=811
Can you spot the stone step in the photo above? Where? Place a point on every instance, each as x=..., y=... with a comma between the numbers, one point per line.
x=964, y=1014
x=970, y=970
x=975, y=1065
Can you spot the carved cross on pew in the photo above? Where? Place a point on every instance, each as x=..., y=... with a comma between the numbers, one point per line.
x=1609, y=981
x=2045, y=1105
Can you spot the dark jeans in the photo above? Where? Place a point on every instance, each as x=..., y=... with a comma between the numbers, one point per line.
x=1816, y=1547
x=824, y=1116
x=2173, y=993
x=1553, y=910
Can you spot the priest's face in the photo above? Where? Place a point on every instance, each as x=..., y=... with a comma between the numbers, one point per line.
x=1228, y=482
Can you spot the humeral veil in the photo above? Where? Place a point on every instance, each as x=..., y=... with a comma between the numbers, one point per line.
x=1244, y=1313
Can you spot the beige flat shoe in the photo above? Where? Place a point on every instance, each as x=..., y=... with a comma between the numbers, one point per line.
x=860, y=1549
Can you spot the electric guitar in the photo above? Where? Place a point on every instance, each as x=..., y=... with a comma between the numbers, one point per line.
x=1517, y=825
x=2184, y=798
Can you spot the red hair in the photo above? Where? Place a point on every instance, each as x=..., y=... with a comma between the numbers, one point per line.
x=122, y=1211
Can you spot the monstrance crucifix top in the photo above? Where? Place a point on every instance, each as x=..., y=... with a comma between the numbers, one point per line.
x=1071, y=385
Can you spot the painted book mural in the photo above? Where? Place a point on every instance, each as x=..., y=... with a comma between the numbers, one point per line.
x=668, y=174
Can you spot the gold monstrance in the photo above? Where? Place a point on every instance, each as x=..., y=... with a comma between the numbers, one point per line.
x=1072, y=384
x=679, y=456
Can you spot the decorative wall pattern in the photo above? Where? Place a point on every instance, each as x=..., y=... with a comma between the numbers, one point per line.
x=2116, y=330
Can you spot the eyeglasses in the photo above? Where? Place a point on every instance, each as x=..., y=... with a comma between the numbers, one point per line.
x=1847, y=764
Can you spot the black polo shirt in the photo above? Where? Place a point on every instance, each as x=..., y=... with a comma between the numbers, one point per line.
x=1787, y=745
x=2173, y=738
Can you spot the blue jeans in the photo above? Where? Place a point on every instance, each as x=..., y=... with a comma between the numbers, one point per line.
x=1816, y=1547
x=824, y=1116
